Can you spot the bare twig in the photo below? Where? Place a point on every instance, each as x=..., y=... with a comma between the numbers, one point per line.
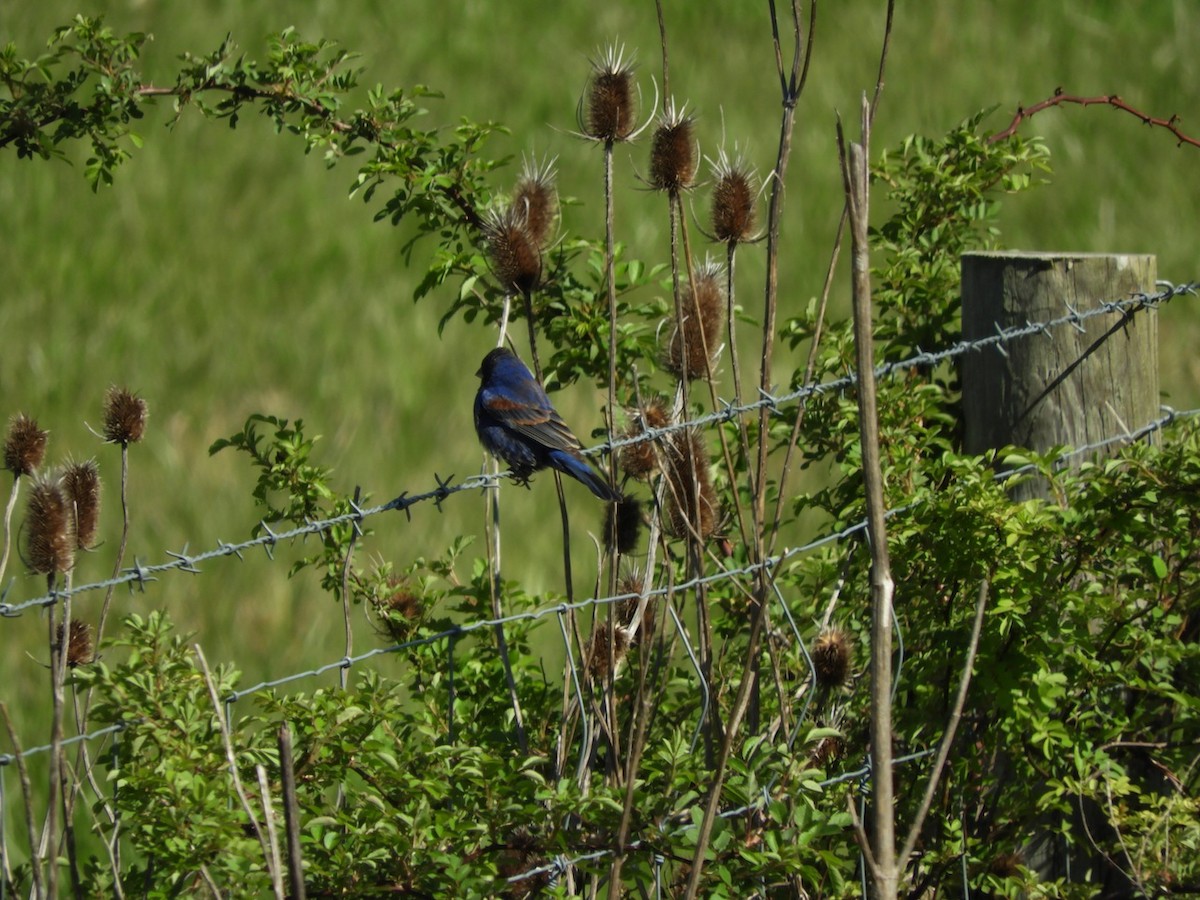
x=823, y=305
x=230, y=757
x=1060, y=98
x=35, y=859
x=276, y=860
x=960, y=700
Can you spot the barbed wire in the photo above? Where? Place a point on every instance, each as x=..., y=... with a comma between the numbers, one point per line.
x=139, y=574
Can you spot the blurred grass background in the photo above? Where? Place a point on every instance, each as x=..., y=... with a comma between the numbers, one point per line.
x=227, y=273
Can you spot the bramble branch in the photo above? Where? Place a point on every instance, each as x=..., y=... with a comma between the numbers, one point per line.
x=1060, y=97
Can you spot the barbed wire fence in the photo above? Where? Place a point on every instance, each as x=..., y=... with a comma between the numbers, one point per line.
x=141, y=575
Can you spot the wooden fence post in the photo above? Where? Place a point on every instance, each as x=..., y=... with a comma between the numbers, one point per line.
x=1070, y=385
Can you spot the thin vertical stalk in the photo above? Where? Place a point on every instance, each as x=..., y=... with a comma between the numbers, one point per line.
x=291, y=814
x=59, y=635
x=882, y=860
x=35, y=859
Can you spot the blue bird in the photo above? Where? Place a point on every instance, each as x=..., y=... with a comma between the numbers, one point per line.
x=516, y=423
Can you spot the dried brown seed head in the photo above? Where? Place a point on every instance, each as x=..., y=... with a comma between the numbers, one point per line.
x=400, y=606
x=81, y=482
x=640, y=460
x=536, y=197
x=733, y=216
x=692, y=351
x=516, y=260
x=48, y=526
x=832, y=653
x=25, y=445
x=673, y=151
x=603, y=653
x=124, y=416
x=691, y=501
x=608, y=109
x=79, y=643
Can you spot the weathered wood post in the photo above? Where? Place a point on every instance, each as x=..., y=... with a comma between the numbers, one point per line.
x=1071, y=385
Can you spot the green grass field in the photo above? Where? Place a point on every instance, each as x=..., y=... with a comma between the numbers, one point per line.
x=227, y=273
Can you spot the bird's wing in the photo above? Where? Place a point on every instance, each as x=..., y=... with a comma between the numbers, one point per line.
x=531, y=418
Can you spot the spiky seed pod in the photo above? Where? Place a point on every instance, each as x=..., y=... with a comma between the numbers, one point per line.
x=523, y=852
x=831, y=656
x=691, y=502
x=733, y=217
x=603, y=655
x=51, y=539
x=826, y=751
x=640, y=460
x=628, y=512
x=516, y=260
x=692, y=352
x=1007, y=865
x=81, y=481
x=24, y=446
x=536, y=197
x=399, y=607
x=673, y=152
x=79, y=643
x=608, y=109
x=124, y=416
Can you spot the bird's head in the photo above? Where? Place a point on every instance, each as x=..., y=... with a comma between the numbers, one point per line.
x=501, y=357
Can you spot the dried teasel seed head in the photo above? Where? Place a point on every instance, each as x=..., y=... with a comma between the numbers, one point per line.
x=124, y=416
x=640, y=460
x=826, y=751
x=399, y=606
x=604, y=654
x=691, y=501
x=673, y=151
x=24, y=446
x=832, y=653
x=81, y=482
x=627, y=526
x=79, y=643
x=514, y=254
x=608, y=109
x=48, y=526
x=692, y=351
x=733, y=217
x=1007, y=865
x=523, y=851
x=535, y=196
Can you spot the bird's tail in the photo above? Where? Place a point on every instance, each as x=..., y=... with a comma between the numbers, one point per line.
x=581, y=471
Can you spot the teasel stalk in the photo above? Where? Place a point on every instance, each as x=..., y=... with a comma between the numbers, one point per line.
x=745, y=704
x=125, y=415
x=607, y=113
x=733, y=219
x=50, y=551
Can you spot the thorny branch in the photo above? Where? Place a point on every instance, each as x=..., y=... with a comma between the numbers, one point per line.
x=1060, y=97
